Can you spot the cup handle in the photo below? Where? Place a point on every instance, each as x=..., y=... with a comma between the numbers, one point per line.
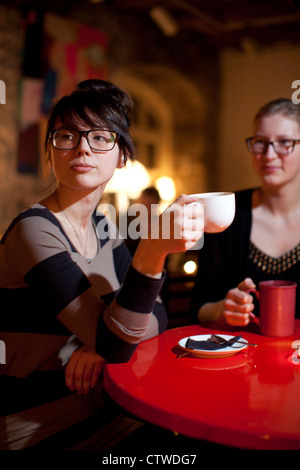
x=253, y=317
x=254, y=291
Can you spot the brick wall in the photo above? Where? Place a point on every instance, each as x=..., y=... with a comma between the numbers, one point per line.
x=16, y=191
x=192, y=98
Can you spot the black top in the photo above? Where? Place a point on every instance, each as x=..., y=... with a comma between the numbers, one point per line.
x=229, y=257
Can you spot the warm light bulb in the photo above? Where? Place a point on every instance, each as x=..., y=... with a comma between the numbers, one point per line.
x=166, y=188
x=131, y=179
x=190, y=267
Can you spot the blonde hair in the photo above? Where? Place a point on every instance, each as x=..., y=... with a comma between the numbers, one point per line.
x=282, y=106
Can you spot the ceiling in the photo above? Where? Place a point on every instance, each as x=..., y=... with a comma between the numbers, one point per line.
x=215, y=22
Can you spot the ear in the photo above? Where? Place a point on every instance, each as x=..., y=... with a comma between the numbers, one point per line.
x=121, y=162
x=49, y=157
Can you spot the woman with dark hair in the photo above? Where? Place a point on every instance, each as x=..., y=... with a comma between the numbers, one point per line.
x=71, y=295
x=263, y=241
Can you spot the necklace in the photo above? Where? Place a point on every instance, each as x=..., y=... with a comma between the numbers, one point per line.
x=84, y=249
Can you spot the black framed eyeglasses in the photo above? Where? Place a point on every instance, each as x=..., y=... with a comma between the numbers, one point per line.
x=99, y=140
x=280, y=146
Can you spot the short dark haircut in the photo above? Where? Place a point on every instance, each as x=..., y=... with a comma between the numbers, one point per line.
x=97, y=103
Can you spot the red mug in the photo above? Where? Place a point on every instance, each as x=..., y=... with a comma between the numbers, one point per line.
x=277, y=307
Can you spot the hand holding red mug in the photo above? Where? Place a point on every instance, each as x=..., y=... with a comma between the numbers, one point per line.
x=277, y=301
x=238, y=304
x=277, y=307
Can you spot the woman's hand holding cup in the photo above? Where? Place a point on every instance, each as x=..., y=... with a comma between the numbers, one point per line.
x=176, y=230
x=238, y=304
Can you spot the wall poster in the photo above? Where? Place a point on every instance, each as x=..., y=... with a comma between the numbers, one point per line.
x=57, y=54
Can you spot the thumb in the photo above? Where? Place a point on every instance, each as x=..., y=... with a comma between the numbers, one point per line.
x=249, y=284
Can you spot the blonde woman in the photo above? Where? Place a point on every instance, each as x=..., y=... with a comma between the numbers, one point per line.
x=264, y=240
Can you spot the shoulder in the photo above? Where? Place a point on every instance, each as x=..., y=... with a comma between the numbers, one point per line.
x=34, y=229
x=32, y=219
x=244, y=199
x=33, y=236
x=241, y=225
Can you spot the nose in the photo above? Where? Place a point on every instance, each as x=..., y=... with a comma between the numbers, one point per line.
x=270, y=152
x=83, y=145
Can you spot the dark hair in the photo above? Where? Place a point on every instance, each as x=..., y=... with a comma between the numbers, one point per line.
x=97, y=103
x=282, y=106
x=151, y=192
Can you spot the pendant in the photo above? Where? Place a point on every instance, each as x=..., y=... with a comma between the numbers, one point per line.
x=89, y=260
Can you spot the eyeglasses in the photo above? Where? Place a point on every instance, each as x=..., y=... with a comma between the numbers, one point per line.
x=99, y=140
x=280, y=146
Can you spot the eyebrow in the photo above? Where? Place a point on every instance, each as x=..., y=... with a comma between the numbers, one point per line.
x=281, y=136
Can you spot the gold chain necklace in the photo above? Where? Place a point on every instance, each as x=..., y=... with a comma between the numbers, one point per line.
x=84, y=249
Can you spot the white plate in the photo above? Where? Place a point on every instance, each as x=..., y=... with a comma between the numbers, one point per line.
x=224, y=352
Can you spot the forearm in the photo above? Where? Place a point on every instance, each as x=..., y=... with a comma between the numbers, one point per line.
x=176, y=230
x=149, y=259
x=211, y=312
x=126, y=320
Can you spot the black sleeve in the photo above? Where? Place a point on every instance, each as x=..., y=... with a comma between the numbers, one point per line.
x=222, y=259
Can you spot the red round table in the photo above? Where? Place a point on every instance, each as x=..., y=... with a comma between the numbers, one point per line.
x=250, y=400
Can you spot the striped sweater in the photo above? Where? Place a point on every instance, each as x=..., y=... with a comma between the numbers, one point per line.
x=53, y=300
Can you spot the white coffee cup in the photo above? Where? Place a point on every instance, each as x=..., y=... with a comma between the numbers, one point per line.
x=219, y=210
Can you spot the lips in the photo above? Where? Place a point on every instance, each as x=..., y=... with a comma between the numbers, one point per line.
x=82, y=167
x=270, y=168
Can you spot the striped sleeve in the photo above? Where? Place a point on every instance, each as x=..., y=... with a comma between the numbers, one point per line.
x=119, y=330
x=62, y=300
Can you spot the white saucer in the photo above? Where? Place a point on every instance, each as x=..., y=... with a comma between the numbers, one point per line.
x=224, y=352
